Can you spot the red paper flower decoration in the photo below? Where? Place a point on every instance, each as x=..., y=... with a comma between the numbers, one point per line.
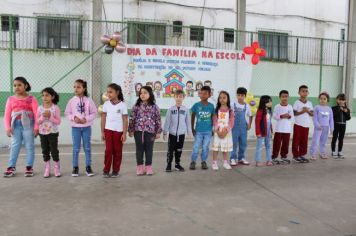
x=256, y=51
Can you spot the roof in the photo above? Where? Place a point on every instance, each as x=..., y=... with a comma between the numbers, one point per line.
x=174, y=71
x=173, y=81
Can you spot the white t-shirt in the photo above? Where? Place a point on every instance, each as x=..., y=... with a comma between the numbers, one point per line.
x=304, y=119
x=114, y=113
x=283, y=125
x=241, y=107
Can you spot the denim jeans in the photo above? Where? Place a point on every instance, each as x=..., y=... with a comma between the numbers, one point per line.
x=239, y=139
x=19, y=135
x=202, y=140
x=267, y=141
x=77, y=135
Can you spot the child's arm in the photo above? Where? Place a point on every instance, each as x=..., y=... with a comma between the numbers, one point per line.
x=39, y=116
x=188, y=123
x=68, y=112
x=331, y=120
x=34, y=111
x=167, y=122
x=276, y=114
x=215, y=123
x=56, y=119
x=7, y=118
x=131, y=128
x=93, y=111
x=231, y=120
x=192, y=123
x=257, y=123
x=125, y=119
x=347, y=114
x=158, y=122
x=315, y=119
x=102, y=124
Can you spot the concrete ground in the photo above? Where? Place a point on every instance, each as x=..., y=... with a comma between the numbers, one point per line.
x=298, y=199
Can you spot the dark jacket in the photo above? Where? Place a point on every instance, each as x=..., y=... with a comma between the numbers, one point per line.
x=341, y=117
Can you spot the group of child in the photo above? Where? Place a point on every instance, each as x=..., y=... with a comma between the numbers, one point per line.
x=228, y=124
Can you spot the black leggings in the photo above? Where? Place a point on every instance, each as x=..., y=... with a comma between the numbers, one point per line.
x=339, y=132
x=144, y=147
x=175, y=146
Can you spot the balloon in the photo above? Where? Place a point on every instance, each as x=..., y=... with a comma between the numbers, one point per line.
x=255, y=59
x=100, y=109
x=105, y=39
x=249, y=50
x=117, y=36
x=113, y=43
x=252, y=103
x=109, y=49
x=120, y=48
x=104, y=97
x=255, y=51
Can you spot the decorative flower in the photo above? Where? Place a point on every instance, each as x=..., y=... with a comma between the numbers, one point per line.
x=256, y=51
x=112, y=42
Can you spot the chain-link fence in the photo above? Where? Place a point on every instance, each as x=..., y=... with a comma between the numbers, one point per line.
x=56, y=51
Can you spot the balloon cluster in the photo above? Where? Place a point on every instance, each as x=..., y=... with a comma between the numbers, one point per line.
x=113, y=42
x=253, y=102
x=255, y=51
x=104, y=98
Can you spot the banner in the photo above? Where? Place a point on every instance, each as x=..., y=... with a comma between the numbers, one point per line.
x=167, y=68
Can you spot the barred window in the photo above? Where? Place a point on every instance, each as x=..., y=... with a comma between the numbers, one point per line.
x=5, y=23
x=59, y=33
x=146, y=33
x=275, y=44
x=197, y=33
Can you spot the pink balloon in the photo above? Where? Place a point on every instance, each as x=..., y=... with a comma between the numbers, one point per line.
x=120, y=48
x=255, y=59
x=255, y=45
x=105, y=39
x=117, y=36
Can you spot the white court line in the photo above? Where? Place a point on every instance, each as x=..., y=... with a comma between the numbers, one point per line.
x=128, y=152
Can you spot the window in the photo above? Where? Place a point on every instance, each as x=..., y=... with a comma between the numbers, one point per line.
x=275, y=44
x=228, y=35
x=177, y=27
x=5, y=23
x=197, y=33
x=59, y=33
x=146, y=33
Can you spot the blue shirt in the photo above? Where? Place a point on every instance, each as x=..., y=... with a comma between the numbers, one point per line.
x=203, y=114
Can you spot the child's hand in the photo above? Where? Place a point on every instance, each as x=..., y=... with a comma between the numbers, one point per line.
x=305, y=109
x=123, y=138
x=248, y=126
x=83, y=121
x=258, y=136
x=46, y=114
x=131, y=134
x=193, y=132
x=158, y=136
x=103, y=136
x=165, y=137
x=9, y=132
x=77, y=120
x=35, y=133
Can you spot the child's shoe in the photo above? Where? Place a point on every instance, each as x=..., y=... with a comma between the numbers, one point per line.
x=139, y=170
x=226, y=165
x=341, y=155
x=106, y=174
x=215, y=166
x=324, y=156
x=169, y=167
x=192, y=165
x=204, y=166
x=178, y=167
x=75, y=172
x=115, y=174
x=57, y=169
x=149, y=170
x=29, y=171
x=244, y=162
x=258, y=164
x=47, y=169
x=10, y=172
x=313, y=158
x=233, y=162
x=89, y=171
x=334, y=155
x=269, y=163
x=284, y=161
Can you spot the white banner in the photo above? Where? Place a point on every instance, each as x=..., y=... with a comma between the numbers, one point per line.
x=167, y=68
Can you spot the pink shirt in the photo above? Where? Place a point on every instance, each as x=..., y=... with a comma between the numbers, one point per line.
x=81, y=107
x=48, y=125
x=14, y=104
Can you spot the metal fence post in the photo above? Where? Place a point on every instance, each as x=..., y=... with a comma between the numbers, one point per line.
x=11, y=51
x=321, y=65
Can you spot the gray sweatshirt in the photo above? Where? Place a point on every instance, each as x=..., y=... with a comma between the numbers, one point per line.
x=177, y=121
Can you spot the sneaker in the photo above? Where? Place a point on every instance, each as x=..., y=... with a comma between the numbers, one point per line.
x=192, y=165
x=334, y=154
x=89, y=171
x=139, y=170
x=106, y=174
x=285, y=160
x=276, y=162
x=244, y=162
x=115, y=174
x=204, y=166
x=313, y=158
x=214, y=166
x=75, y=172
x=298, y=159
x=304, y=160
x=258, y=164
x=226, y=165
x=341, y=155
x=169, y=167
x=29, y=171
x=233, y=162
x=10, y=172
x=47, y=169
x=323, y=156
x=149, y=170
x=57, y=169
x=269, y=163
x=178, y=167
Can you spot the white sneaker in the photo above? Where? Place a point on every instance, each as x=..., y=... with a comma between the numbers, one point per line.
x=244, y=162
x=233, y=162
x=215, y=165
x=334, y=154
x=227, y=165
x=341, y=155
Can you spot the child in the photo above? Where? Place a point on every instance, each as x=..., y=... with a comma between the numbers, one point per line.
x=145, y=127
x=243, y=120
x=341, y=115
x=264, y=130
x=303, y=110
x=177, y=124
x=283, y=114
x=114, y=123
x=323, y=121
x=204, y=111
x=223, y=121
x=21, y=125
x=81, y=112
x=48, y=118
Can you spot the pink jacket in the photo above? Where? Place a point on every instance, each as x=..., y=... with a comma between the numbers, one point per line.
x=14, y=104
x=81, y=107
